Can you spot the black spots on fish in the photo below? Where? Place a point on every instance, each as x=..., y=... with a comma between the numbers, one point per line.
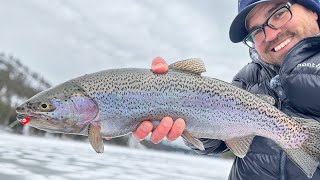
x=33, y=106
x=21, y=108
x=97, y=87
x=66, y=91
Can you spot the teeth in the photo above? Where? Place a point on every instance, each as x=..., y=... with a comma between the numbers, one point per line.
x=283, y=44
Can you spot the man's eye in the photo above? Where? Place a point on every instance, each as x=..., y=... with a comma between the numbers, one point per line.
x=280, y=14
x=256, y=33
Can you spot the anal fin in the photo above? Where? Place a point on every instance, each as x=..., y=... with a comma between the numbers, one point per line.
x=95, y=138
x=196, y=142
x=239, y=146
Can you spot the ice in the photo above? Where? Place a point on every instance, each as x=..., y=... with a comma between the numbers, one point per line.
x=36, y=158
x=11, y=169
x=27, y=162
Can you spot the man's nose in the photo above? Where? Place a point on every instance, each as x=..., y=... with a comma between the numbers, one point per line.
x=271, y=34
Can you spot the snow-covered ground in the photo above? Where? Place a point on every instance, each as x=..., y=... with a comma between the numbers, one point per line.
x=32, y=158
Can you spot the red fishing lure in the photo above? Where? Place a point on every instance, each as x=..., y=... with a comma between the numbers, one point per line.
x=25, y=120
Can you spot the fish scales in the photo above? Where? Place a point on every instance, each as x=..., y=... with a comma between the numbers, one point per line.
x=162, y=95
x=112, y=103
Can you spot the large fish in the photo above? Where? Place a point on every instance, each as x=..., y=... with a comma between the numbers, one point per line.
x=112, y=103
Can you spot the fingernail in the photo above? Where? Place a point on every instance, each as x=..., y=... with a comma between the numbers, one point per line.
x=179, y=123
x=157, y=66
x=146, y=127
x=167, y=123
x=155, y=141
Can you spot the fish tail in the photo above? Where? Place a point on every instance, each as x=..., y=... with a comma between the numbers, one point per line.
x=308, y=155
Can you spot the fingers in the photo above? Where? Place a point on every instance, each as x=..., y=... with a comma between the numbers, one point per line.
x=162, y=130
x=159, y=65
x=143, y=130
x=177, y=129
x=166, y=128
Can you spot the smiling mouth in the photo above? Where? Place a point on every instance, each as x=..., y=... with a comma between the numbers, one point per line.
x=282, y=45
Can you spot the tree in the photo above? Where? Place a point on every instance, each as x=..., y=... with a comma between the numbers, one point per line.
x=15, y=86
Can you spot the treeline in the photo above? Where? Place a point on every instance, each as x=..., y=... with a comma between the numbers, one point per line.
x=17, y=83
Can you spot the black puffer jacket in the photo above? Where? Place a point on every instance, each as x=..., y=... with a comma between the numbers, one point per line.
x=298, y=95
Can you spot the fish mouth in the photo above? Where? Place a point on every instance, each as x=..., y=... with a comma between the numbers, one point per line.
x=22, y=116
x=37, y=121
x=25, y=113
x=47, y=123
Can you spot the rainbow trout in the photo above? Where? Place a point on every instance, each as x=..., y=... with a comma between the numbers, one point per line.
x=114, y=102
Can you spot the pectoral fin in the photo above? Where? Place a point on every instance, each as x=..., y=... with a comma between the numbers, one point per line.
x=198, y=144
x=240, y=146
x=95, y=138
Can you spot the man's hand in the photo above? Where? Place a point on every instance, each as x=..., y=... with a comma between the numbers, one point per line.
x=167, y=127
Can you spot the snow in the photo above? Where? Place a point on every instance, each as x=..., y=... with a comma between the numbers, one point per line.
x=24, y=158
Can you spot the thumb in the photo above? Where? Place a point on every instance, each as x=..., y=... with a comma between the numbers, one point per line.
x=159, y=65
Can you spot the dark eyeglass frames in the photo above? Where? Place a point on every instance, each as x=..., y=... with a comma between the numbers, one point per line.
x=275, y=21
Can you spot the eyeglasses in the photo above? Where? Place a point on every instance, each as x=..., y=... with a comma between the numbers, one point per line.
x=275, y=21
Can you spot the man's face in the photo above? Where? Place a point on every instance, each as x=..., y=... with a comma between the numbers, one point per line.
x=278, y=42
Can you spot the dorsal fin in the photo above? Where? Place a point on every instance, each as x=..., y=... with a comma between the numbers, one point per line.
x=194, y=65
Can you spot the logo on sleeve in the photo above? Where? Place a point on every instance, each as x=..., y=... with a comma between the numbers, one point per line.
x=311, y=65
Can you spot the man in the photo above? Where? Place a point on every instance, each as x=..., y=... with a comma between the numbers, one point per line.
x=284, y=43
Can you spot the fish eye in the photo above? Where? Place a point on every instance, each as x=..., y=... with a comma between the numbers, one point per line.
x=44, y=106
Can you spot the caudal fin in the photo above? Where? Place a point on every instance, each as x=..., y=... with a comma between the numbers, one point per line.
x=308, y=155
